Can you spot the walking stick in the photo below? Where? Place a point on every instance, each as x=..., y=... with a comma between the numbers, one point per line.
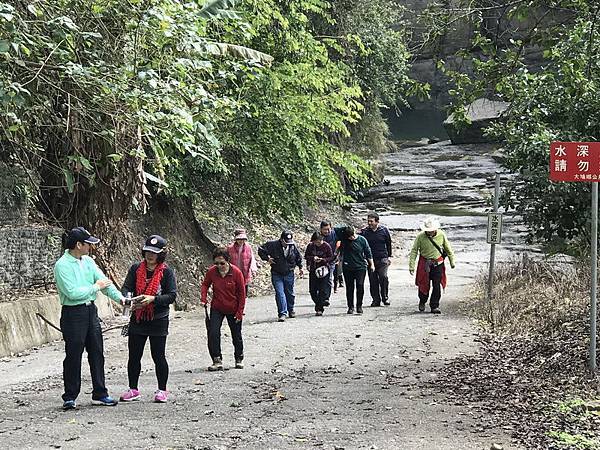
x=48, y=322
x=104, y=330
x=207, y=323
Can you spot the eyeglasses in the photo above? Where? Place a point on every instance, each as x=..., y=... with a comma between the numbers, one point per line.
x=220, y=263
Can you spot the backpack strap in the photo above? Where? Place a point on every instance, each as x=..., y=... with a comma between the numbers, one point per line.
x=442, y=252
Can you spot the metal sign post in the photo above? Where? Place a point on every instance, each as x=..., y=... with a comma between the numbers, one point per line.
x=494, y=234
x=579, y=161
x=593, y=299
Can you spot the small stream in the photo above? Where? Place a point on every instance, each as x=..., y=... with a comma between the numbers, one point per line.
x=452, y=182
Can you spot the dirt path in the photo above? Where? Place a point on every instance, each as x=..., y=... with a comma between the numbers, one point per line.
x=329, y=382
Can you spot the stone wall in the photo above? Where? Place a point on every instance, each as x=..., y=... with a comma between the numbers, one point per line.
x=27, y=252
x=13, y=196
x=27, y=256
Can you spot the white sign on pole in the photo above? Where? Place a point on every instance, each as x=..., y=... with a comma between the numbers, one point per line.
x=494, y=230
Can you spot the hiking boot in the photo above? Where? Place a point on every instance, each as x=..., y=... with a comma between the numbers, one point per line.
x=107, y=400
x=161, y=396
x=435, y=311
x=319, y=313
x=239, y=364
x=291, y=314
x=69, y=404
x=359, y=310
x=281, y=318
x=130, y=395
x=216, y=365
x=350, y=310
x=421, y=306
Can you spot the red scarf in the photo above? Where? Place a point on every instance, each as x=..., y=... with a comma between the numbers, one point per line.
x=150, y=288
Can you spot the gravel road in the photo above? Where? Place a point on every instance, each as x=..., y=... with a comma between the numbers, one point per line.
x=331, y=382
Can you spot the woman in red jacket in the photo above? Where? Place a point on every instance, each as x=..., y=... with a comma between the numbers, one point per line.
x=228, y=301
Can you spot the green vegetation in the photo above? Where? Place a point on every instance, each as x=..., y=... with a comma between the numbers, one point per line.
x=573, y=441
x=557, y=100
x=243, y=102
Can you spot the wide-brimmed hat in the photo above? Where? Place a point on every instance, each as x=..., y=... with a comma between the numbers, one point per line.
x=430, y=224
x=155, y=244
x=240, y=233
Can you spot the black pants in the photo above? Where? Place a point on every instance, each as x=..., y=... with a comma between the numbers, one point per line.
x=136, y=345
x=350, y=277
x=214, y=335
x=81, y=329
x=337, y=277
x=320, y=290
x=435, y=275
x=379, y=282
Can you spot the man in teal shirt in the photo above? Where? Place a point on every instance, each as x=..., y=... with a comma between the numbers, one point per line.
x=78, y=281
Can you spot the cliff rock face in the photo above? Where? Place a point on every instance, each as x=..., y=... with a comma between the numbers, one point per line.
x=493, y=24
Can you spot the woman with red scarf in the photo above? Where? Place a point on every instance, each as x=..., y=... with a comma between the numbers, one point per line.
x=155, y=282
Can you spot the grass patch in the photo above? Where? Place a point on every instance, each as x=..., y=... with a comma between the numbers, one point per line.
x=573, y=441
x=535, y=297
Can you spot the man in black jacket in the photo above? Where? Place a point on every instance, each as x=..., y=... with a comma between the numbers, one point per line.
x=283, y=256
x=380, y=241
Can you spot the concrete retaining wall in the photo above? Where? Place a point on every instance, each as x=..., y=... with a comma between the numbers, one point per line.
x=21, y=329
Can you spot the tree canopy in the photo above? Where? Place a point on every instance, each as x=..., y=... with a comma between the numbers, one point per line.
x=232, y=99
x=541, y=57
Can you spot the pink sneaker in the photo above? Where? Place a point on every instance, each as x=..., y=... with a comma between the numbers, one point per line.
x=161, y=396
x=130, y=395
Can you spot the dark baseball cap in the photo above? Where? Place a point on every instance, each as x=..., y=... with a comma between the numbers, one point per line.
x=288, y=237
x=80, y=234
x=155, y=244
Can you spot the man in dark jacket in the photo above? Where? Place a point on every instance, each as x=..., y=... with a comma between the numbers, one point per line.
x=283, y=256
x=380, y=241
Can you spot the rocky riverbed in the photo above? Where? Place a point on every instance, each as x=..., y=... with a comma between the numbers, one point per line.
x=454, y=183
